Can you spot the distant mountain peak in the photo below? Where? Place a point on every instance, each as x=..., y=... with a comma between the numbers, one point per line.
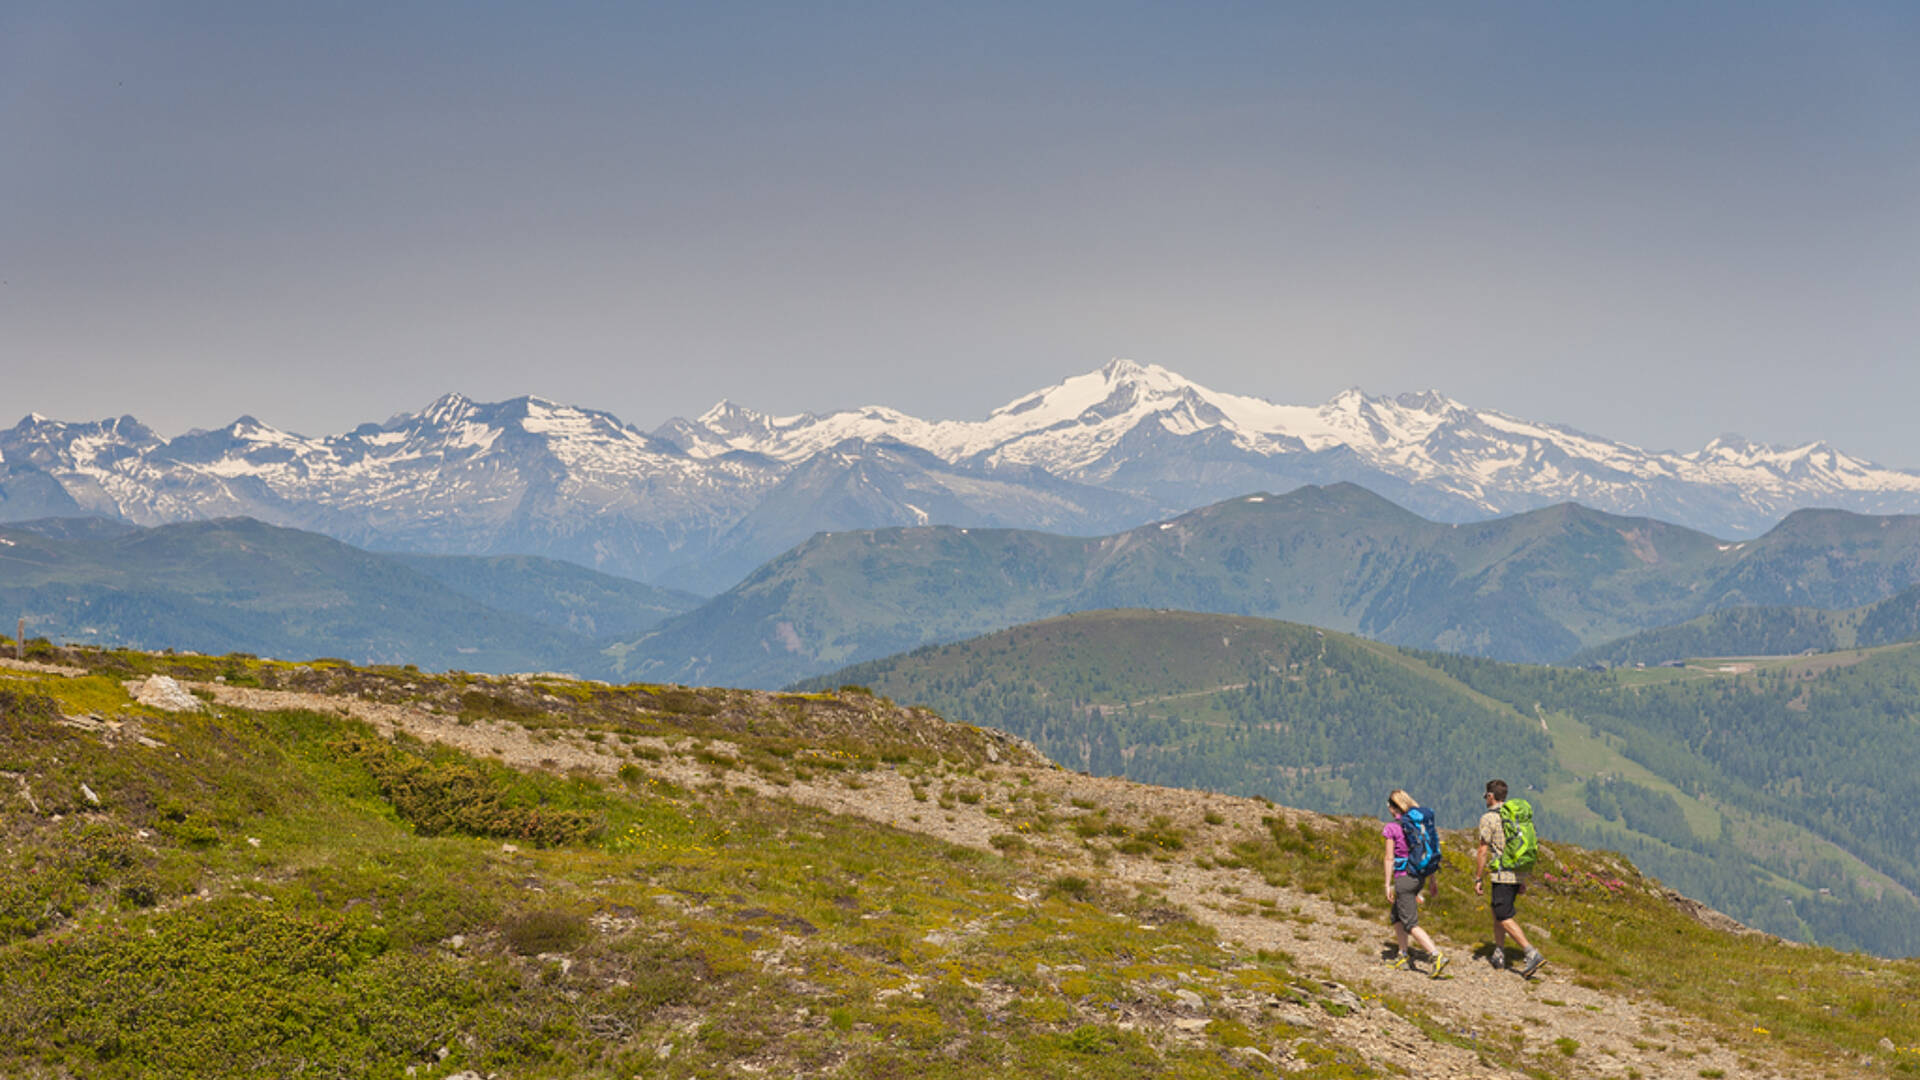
x=446, y=410
x=1107, y=448
x=1432, y=401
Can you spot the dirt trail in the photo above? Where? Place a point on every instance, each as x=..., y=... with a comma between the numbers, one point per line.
x=1477, y=1003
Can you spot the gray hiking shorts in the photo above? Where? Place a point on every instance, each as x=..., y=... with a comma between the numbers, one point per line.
x=1406, y=900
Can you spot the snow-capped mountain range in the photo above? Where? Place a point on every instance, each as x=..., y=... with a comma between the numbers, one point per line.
x=698, y=503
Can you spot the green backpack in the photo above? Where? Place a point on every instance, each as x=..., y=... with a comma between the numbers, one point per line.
x=1523, y=849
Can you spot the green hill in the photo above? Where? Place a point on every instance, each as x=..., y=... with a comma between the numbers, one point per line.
x=1224, y=703
x=336, y=871
x=1534, y=587
x=1766, y=631
x=1773, y=792
x=240, y=585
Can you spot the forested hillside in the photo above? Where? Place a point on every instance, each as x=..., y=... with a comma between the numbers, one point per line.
x=1773, y=791
x=1766, y=631
x=1239, y=705
x=1829, y=743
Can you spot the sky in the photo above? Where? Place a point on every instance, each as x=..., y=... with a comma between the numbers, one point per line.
x=1654, y=222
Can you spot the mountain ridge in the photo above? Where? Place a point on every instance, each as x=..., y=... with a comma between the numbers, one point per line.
x=697, y=502
x=1535, y=586
x=240, y=585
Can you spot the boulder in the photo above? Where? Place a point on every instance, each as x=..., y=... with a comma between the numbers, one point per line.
x=163, y=693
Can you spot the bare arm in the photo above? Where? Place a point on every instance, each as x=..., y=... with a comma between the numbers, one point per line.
x=1480, y=865
x=1386, y=865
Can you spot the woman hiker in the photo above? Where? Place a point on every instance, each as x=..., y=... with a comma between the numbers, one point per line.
x=1403, y=885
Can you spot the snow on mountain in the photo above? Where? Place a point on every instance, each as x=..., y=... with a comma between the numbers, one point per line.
x=701, y=500
x=525, y=475
x=1144, y=428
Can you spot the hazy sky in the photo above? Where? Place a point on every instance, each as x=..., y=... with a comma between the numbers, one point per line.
x=1655, y=222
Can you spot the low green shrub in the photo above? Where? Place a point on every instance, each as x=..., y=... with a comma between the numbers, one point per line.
x=441, y=797
x=533, y=932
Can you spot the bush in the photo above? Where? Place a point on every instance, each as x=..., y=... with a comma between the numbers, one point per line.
x=535, y=932
x=458, y=797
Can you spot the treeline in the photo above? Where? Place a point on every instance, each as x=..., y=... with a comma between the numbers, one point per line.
x=1330, y=727
x=1767, y=631
x=1746, y=631
x=1817, y=755
x=1832, y=752
x=1847, y=916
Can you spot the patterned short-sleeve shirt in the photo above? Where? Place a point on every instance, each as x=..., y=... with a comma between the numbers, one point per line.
x=1494, y=835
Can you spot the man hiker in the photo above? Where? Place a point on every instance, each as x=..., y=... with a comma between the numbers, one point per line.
x=1506, y=835
x=1411, y=860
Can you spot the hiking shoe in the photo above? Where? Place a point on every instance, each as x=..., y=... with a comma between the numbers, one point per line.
x=1439, y=964
x=1403, y=962
x=1533, y=962
x=1498, y=959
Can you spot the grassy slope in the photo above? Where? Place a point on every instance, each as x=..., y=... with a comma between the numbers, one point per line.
x=247, y=897
x=1160, y=696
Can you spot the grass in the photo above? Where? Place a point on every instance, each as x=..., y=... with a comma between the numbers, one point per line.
x=1608, y=927
x=259, y=882
x=255, y=894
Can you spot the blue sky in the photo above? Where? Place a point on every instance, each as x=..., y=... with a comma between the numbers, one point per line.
x=1655, y=222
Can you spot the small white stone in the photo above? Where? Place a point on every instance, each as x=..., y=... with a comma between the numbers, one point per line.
x=163, y=693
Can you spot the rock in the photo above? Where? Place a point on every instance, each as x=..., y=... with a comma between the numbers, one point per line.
x=1886, y=1044
x=1340, y=995
x=1189, y=999
x=88, y=792
x=163, y=693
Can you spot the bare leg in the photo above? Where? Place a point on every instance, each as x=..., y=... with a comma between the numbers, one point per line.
x=1512, y=928
x=1420, y=937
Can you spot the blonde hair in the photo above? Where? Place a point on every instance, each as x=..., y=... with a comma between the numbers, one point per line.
x=1400, y=800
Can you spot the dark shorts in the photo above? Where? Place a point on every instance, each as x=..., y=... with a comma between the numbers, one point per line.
x=1503, y=897
x=1406, y=900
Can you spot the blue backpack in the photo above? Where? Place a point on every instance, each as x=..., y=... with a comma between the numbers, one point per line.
x=1423, y=842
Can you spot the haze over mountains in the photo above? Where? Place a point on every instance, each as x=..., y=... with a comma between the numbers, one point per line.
x=237, y=585
x=699, y=503
x=1535, y=587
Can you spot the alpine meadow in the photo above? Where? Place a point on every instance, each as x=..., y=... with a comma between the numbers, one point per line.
x=987, y=541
